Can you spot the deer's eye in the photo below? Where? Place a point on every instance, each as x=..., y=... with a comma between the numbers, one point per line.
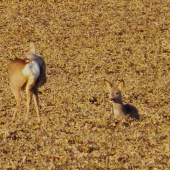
x=117, y=93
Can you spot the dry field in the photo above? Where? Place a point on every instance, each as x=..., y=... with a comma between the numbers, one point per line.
x=82, y=43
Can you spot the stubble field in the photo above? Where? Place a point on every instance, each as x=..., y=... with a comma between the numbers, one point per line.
x=83, y=43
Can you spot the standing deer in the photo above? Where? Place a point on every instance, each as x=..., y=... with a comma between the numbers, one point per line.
x=27, y=74
x=118, y=108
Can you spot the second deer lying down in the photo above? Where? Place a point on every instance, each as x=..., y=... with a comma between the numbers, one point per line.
x=28, y=74
x=119, y=109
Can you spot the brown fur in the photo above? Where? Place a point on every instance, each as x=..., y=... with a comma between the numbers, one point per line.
x=118, y=108
x=20, y=81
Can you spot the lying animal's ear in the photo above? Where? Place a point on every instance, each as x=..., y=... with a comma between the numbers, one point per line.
x=107, y=84
x=121, y=85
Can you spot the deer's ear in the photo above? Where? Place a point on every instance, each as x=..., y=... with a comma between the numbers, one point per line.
x=107, y=84
x=32, y=48
x=121, y=85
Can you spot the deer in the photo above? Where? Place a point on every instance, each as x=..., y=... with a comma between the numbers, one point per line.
x=118, y=108
x=27, y=74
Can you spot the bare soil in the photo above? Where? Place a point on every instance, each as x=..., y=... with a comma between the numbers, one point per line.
x=83, y=43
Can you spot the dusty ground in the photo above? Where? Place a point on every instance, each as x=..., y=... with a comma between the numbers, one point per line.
x=82, y=43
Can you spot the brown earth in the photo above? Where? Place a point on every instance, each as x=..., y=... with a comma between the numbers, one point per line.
x=83, y=42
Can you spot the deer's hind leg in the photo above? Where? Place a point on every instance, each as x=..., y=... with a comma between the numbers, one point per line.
x=29, y=86
x=36, y=101
x=17, y=95
x=29, y=98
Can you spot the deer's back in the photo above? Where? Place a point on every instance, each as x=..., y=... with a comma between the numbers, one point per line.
x=16, y=77
x=132, y=110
